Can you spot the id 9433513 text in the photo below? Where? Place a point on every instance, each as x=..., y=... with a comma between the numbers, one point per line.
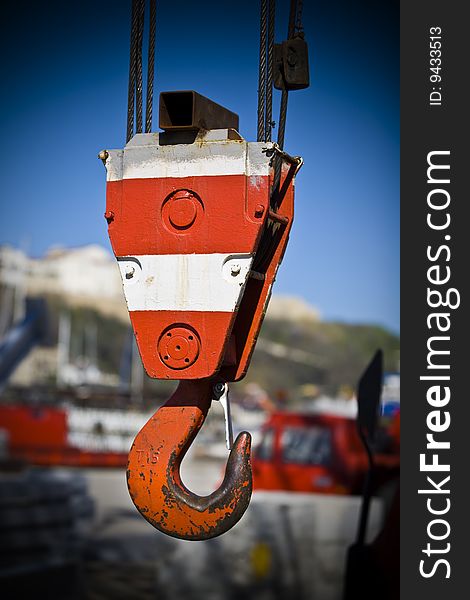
x=435, y=66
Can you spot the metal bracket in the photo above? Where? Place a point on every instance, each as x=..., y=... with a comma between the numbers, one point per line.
x=296, y=161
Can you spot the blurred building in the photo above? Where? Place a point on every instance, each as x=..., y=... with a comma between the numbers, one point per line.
x=292, y=308
x=87, y=276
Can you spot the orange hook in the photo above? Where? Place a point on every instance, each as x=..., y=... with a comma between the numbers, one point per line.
x=153, y=476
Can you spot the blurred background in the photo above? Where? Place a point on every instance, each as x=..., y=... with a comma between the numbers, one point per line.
x=73, y=393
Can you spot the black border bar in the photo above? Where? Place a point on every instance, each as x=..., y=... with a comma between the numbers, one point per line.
x=434, y=128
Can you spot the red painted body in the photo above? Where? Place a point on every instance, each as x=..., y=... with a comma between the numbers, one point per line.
x=191, y=215
x=316, y=453
x=150, y=327
x=226, y=218
x=198, y=215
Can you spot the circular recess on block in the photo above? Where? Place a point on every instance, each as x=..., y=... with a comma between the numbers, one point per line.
x=182, y=210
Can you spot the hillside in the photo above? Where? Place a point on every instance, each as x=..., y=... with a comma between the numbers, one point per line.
x=291, y=351
x=331, y=355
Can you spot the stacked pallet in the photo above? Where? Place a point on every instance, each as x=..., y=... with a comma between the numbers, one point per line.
x=44, y=516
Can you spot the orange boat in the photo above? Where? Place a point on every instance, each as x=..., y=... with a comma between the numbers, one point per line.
x=39, y=436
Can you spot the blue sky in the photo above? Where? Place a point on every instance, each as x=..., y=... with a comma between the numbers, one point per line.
x=65, y=77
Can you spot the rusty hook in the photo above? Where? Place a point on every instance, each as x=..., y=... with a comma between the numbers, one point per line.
x=153, y=474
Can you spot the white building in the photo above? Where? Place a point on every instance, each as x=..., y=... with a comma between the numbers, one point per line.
x=87, y=275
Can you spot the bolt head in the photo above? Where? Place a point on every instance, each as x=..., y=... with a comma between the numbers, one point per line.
x=219, y=388
x=109, y=216
x=130, y=270
x=235, y=269
x=259, y=210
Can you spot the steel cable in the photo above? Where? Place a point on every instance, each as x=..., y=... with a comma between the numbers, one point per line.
x=262, y=71
x=269, y=81
x=285, y=93
x=292, y=13
x=132, y=69
x=150, y=66
x=139, y=83
x=298, y=21
x=281, y=132
x=272, y=233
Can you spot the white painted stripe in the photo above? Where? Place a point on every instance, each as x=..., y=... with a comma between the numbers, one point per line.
x=140, y=160
x=185, y=282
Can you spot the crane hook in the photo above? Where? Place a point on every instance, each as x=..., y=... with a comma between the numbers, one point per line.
x=153, y=474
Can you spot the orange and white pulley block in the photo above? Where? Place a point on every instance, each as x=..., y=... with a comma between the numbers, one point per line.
x=198, y=219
